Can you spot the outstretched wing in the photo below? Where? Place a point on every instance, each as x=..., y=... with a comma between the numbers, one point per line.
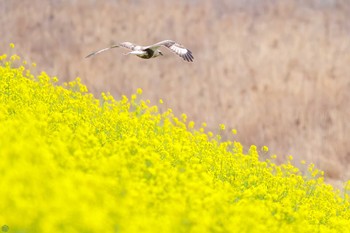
x=176, y=48
x=101, y=50
x=127, y=45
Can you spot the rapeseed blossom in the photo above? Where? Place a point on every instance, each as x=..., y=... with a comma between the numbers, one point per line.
x=74, y=163
x=265, y=149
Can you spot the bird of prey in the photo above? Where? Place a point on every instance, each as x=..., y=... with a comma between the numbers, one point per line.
x=151, y=51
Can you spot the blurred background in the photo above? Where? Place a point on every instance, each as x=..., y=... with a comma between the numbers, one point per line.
x=277, y=71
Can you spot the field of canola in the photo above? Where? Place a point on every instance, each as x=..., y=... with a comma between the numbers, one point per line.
x=72, y=163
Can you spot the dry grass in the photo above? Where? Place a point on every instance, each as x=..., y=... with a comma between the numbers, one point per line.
x=276, y=72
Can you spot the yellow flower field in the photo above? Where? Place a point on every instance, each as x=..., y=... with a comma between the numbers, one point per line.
x=72, y=163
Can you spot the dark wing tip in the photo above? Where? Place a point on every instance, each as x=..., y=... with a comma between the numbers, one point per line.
x=101, y=50
x=91, y=54
x=188, y=56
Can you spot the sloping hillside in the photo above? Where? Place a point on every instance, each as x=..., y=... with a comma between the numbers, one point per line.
x=74, y=163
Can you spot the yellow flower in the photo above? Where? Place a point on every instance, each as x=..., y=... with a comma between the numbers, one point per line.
x=3, y=57
x=133, y=97
x=184, y=117
x=15, y=57
x=126, y=167
x=265, y=149
x=55, y=79
x=222, y=127
x=12, y=45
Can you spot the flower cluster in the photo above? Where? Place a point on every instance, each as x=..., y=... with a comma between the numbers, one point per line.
x=74, y=163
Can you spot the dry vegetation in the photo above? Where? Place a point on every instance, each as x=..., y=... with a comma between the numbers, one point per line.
x=278, y=73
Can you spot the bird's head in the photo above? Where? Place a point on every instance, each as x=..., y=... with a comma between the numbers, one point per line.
x=158, y=53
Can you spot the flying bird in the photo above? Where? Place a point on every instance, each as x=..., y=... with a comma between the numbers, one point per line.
x=151, y=51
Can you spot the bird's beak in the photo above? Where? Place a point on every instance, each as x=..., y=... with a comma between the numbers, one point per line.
x=161, y=53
